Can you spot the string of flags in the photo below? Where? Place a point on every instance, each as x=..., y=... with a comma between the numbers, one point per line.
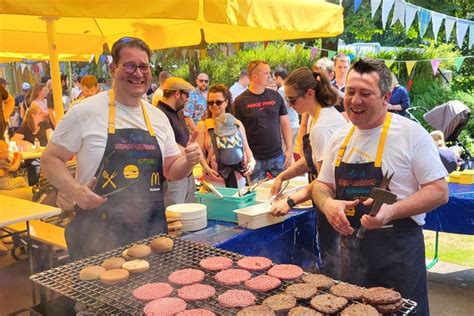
x=405, y=14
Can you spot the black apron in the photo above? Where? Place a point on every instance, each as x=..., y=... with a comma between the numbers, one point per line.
x=394, y=256
x=132, y=157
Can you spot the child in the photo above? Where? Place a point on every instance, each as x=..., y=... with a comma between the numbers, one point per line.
x=12, y=186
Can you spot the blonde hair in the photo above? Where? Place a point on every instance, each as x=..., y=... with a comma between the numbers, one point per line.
x=438, y=138
x=29, y=122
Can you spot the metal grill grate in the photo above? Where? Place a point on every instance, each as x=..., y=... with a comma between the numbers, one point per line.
x=118, y=299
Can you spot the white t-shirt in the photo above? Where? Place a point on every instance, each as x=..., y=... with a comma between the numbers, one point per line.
x=409, y=153
x=83, y=130
x=329, y=120
x=236, y=90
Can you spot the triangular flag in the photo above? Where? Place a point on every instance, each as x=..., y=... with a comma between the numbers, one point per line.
x=389, y=63
x=410, y=13
x=410, y=65
x=331, y=54
x=91, y=59
x=458, y=62
x=448, y=25
x=314, y=52
x=374, y=4
x=436, y=20
x=109, y=59
x=357, y=5
x=461, y=31
x=22, y=66
x=424, y=18
x=265, y=44
x=298, y=48
x=399, y=12
x=386, y=7
x=471, y=35
x=435, y=65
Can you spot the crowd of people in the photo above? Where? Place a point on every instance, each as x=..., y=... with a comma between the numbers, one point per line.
x=143, y=141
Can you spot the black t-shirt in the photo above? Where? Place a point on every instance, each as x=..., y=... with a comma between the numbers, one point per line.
x=177, y=122
x=30, y=137
x=260, y=114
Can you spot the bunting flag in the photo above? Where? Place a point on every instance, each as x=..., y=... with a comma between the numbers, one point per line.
x=399, y=13
x=424, y=18
x=410, y=13
x=22, y=66
x=265, y=44
x=471, y=36
x=435, y=65
x=389, y=63
x=314, y=52
x=109, y=59
x=436, y=20
x=458, y=62
x=374, y=4
x=448, y=25
x=386, y=7
x=331, y=54
x=298, y=48
x=357, y=5
x=410, y=65
x=462, y=26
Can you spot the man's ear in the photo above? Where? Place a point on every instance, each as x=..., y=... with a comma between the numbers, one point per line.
x=113, y=68
x=386, y=97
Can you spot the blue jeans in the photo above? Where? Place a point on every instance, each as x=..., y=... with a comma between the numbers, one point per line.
x=274, y=165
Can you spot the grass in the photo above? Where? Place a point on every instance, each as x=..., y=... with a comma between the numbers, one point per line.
x=453, y=248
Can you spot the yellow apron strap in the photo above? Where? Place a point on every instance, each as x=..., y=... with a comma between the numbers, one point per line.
x=315, y=116
x=111, y=123
x=383, y=138
x=343, y=147
x=147, y=120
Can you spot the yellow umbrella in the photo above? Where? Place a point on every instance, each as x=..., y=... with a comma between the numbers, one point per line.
x=82, y=27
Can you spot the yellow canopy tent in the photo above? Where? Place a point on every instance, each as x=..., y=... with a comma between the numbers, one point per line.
x=82, y=27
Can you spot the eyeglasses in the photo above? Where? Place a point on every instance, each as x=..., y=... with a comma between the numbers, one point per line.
x=131, y=68
x=216, y=102
x=292, y=100
x=185, y=93
x=203, y=80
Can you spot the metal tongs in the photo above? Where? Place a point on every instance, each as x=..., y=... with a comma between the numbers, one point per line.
x=119, y=189
x=275, y=197
x=249, y=189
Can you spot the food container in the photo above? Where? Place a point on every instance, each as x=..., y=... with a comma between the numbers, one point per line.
x=466, y=177
x=257, y=216
x=193, y=216
x=454, y=176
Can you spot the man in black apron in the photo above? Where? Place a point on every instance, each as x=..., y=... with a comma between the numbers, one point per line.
x=122, y=200
x=392, y=252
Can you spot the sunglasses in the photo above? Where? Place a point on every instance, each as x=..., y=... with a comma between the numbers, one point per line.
x=254, y=64
x=131, y=68
x=292, y=100
x=203, y=80
x=216, y=102
x=185, y=93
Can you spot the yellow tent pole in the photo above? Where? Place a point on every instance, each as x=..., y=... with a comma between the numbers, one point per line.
x=54, y=67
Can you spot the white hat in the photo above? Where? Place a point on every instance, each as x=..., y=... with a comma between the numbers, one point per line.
x=25, y=86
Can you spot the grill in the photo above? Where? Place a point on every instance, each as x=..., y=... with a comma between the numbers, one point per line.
x=118, y=299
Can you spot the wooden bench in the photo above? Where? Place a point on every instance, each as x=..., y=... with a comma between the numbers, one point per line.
x=45, y=233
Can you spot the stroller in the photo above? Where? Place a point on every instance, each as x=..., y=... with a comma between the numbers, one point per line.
x=451, y=118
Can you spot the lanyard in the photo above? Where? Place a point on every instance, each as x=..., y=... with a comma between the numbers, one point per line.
x=315, y=116
x=380, y=146
x=111, y=124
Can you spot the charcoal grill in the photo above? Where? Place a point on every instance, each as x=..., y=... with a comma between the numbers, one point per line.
x=118, y=299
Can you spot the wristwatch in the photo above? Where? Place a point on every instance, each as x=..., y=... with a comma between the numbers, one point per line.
x=291, y=202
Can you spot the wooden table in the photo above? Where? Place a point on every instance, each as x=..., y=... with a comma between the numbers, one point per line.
x=13, y=210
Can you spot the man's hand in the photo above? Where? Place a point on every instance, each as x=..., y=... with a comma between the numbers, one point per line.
x=280, y=208
x=288, y=158
x=86, y=198
x=250, y=167
x=276, y=186
x=384, y=216
x=334, y=210
x=192, y=150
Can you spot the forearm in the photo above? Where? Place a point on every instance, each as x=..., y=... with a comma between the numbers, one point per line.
x=287, y=135
x=303, y=195
x=58, y=175
x=395, y=107
x=426, y=199
x=190, y=123
x=321, y=194
x=295, y=170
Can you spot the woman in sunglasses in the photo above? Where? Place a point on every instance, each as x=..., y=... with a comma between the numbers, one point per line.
x=310, y=92
x=223, y=138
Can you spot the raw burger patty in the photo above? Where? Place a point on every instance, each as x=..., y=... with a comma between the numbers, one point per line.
x=349, y=291
x=196, y=292
x=152, y=291
x=216, y=263
x=254, y=263
x=196, y=312
x=280, y=302
x=319, y=280
x=186, y=276
x=285, y=271
x=232, y=276
x=302, y=291
x=359, y=310
x=381, y=295
x=256, y=310
x=164, y=306
x=328, y=303
x=262, y=283
x=236, y=298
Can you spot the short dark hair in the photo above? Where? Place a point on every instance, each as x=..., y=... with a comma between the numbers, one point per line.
x=243, y=74
x=368, y=65
x=220, y=88
x=128, y=42
x=281, y=72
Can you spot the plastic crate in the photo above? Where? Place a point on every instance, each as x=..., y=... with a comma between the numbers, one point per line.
x=222, y=209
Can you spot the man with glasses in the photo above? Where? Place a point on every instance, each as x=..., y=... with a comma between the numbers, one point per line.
x=265, y=118
x=125, y=147
x=196, y=106
x=175, y=94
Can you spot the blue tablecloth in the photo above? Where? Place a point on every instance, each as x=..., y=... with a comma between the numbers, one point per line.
x=456, y=216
